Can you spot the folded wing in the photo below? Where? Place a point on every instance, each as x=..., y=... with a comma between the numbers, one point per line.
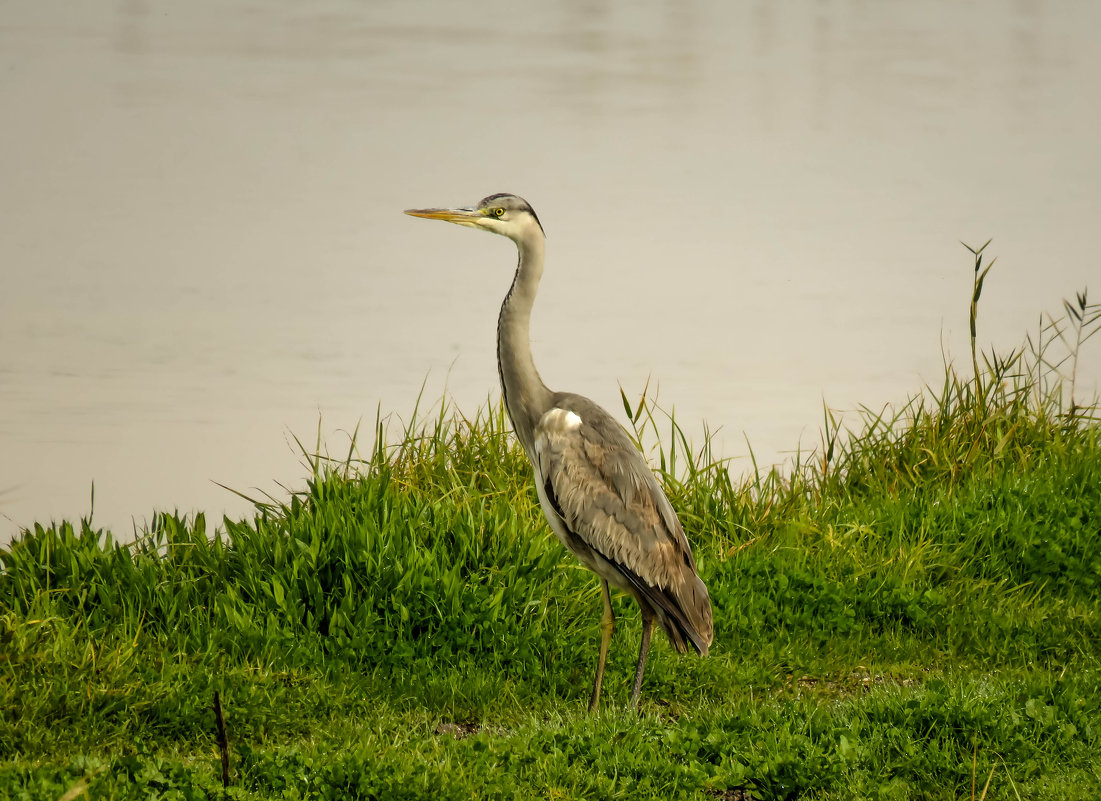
x=606, y=498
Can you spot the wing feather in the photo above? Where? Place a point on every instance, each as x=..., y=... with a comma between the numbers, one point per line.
x=609, y=503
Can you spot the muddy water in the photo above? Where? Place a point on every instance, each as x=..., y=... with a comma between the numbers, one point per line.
x=755, y=207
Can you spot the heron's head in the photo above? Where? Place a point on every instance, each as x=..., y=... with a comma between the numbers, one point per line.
x=504, y=214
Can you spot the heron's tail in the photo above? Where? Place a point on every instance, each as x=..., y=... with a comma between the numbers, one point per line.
x=684, y=612
x=695, y=604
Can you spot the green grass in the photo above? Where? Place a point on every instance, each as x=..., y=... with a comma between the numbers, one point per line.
x=910, y=612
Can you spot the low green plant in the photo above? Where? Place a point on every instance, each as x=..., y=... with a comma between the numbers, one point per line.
x=909, y=612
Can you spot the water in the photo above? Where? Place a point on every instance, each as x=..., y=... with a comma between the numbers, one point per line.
x=756, y=206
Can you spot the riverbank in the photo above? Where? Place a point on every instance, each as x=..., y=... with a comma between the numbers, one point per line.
x=910, y=612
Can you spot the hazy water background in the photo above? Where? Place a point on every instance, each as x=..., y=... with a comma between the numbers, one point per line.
x=758, y=205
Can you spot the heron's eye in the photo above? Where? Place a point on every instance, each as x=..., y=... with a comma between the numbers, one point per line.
x=499, y=212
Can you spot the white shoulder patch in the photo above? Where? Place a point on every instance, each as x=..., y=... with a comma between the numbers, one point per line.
x=560, y=420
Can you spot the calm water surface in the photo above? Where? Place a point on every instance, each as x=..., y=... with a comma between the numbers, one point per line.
x=757, y=207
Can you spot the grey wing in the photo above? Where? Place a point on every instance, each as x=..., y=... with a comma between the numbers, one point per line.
x=598, y=485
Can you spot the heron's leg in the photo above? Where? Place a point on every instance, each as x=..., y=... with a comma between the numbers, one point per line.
x=644, y=649
x=607, y=626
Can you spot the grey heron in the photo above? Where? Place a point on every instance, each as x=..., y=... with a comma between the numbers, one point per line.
x=599, y=496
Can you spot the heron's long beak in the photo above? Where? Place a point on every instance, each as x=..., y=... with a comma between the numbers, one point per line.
x=471, y=217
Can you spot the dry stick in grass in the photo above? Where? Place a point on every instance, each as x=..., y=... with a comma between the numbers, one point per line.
x=81, y=787
x=223, y=740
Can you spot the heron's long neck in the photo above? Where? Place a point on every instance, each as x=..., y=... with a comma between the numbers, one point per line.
x=526, y=396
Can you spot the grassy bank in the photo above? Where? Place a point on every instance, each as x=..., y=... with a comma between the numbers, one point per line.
x=910, y=613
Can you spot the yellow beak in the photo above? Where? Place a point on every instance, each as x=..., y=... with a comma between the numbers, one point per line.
x=459, y=216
